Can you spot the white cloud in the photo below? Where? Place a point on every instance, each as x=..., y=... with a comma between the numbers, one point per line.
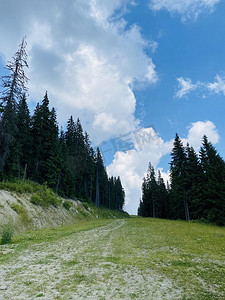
x=85, y=57
x=185, y=87
x=218, y=86
x=131, y=165
x=198, y=130
x=186, y=8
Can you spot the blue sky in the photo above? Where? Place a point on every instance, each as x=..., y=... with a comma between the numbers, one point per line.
x=135, y=72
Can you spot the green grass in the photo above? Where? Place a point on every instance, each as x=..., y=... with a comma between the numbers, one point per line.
x=190, y=255
x=102, y=212
x=27, y=239
x=20, y=186
x=40, y=194
x=21, y=211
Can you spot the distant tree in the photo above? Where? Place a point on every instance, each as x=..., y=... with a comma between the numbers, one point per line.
x=162, y=204
x=112, y=193
x=88, y=168
x=149, y=194
x=194, y=182
x=140, y=211
x=120, y=194
x=101, y=181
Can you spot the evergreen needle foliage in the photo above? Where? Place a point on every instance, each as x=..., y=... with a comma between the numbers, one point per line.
x=31, y=147
x=197, y=190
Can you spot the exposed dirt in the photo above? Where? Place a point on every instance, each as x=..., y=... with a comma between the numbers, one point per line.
x=81, y=266
x=36, y=216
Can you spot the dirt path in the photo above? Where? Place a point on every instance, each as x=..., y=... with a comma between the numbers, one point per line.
x=82, y=266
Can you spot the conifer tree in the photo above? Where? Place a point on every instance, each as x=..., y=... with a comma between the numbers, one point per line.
x=88, y=168
x=120, y=195
x=23, y=137
x=101, y=194
x=45, y=144
x=193, y=182
x=150, y=191
x=212, y=201
x=179, y=202
x=112, y=193
x=162, y=205
x=14, y=86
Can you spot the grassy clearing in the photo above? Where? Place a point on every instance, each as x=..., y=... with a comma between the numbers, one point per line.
x=132, y=258
x=27, y=239
x=190, y=254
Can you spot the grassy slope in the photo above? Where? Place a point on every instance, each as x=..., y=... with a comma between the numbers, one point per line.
x=16, y=205
x=123, y=259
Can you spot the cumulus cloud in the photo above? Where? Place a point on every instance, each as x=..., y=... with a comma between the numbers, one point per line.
x=131, y=165
x=185, y=86
x=186, y=8
x=84, y=55
x=198, y=130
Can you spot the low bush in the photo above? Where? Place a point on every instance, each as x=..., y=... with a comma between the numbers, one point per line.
x=7, y=233
x=45, y=197
x=18, y=208
x=86, y=205
x=20, y=186
x=67, y=204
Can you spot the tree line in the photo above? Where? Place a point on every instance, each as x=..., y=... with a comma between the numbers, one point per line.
x=196, y=190
x=32, y=147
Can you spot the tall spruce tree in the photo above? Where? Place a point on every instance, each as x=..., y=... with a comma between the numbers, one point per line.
x=179, y=201
x=149, y=194
x=23, y=137
x=88, y=168
x=120, y=194
x=101, y=182
x=45, y=144
x=14, y=86
x=213, y=197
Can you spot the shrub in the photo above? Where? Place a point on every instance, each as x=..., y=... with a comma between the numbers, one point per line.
x=17, y=208
x=45, y=197
x=67, y=204
x=21, y=211
x=85, y=205
x=20, y=186
x=7, y=233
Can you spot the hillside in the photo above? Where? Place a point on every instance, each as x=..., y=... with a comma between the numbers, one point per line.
x=16, y=207
x=132, y=258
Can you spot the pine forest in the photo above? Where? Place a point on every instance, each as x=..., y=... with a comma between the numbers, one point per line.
x=197, y=188
x=31, y=147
